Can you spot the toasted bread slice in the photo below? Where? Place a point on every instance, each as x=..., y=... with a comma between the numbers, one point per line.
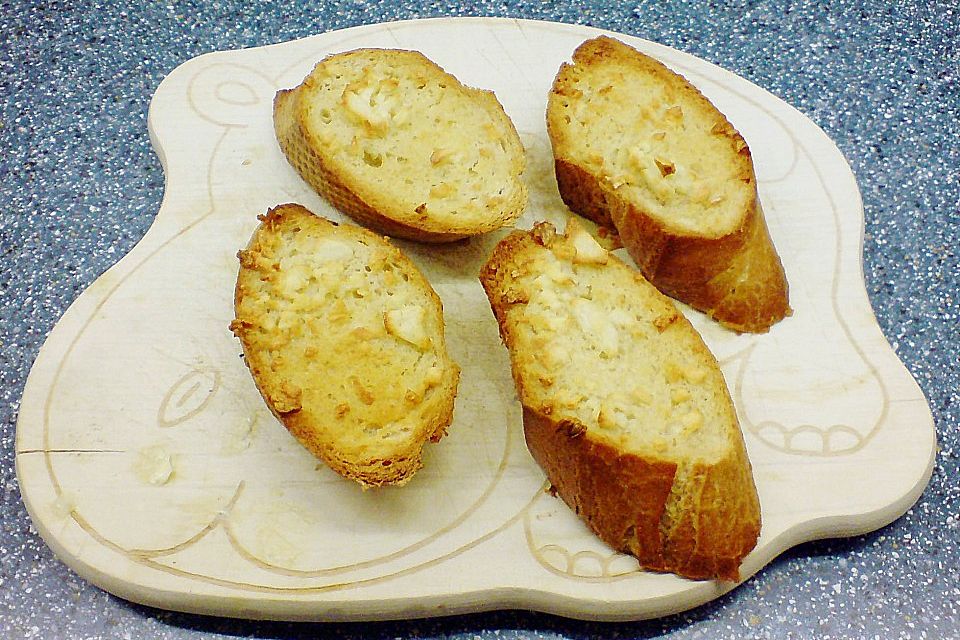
x=640, y=149
x=625, y=408
x=403, y=147
x=345, y=340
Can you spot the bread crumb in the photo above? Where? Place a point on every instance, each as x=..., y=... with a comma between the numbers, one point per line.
x=691, y=421
x=412, y=397
x=666, y=168
x=679, y=395
x=287, y=397
x=443, y=190
x=594, y=323
x=440, y=155
x=555, y=355
x=572, y=428
x=587, y=250
x=664, y=321
x=433, y=376
x=368, y=103
x=248, y=259
x=363, y=393
x=363, y=333
x=154, y=465
x=641, y=396
x=406, y=323
x=568, y=399
x=607, y=417
x=339, y=312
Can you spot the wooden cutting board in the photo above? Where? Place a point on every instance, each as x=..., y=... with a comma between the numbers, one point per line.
x=151, y=466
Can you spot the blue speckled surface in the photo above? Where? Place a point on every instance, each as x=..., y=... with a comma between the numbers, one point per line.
x=80, y=185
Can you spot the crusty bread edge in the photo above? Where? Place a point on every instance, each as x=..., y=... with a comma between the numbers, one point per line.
x=622, y=497
x=372, y=473
x=738, y=280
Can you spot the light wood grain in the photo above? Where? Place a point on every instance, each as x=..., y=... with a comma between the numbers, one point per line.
x=151, y=466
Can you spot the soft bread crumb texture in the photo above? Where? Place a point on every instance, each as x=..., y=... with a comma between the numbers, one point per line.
x=345, y=340
x=613, y=378
x=652, y=389
x=639, y=149
x=391, y=139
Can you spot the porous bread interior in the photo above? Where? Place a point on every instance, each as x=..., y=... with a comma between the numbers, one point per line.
x=610, y=352
x=652, y=138
x=415, y=140
x=339, y=318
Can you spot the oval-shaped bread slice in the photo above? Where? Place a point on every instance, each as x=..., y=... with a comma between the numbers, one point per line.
x=638, y=148
x=345, y=340
x=625, y=408
x=403, y=147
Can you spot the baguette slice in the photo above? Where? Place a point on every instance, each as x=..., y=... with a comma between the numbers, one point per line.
x=401, y=146
x=625, y=408
x=345, y=341
x=638, y=148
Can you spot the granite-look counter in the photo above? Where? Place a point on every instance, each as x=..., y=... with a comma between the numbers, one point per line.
x=81, y=184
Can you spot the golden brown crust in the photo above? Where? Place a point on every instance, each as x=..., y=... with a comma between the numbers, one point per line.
x=721, y=527
x=736, y=277
x=620, y=496
x=312, y=348
x=582, y=192
x=675, y=514
x=376, y=203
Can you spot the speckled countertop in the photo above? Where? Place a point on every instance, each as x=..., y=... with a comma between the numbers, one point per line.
x=80, y=185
